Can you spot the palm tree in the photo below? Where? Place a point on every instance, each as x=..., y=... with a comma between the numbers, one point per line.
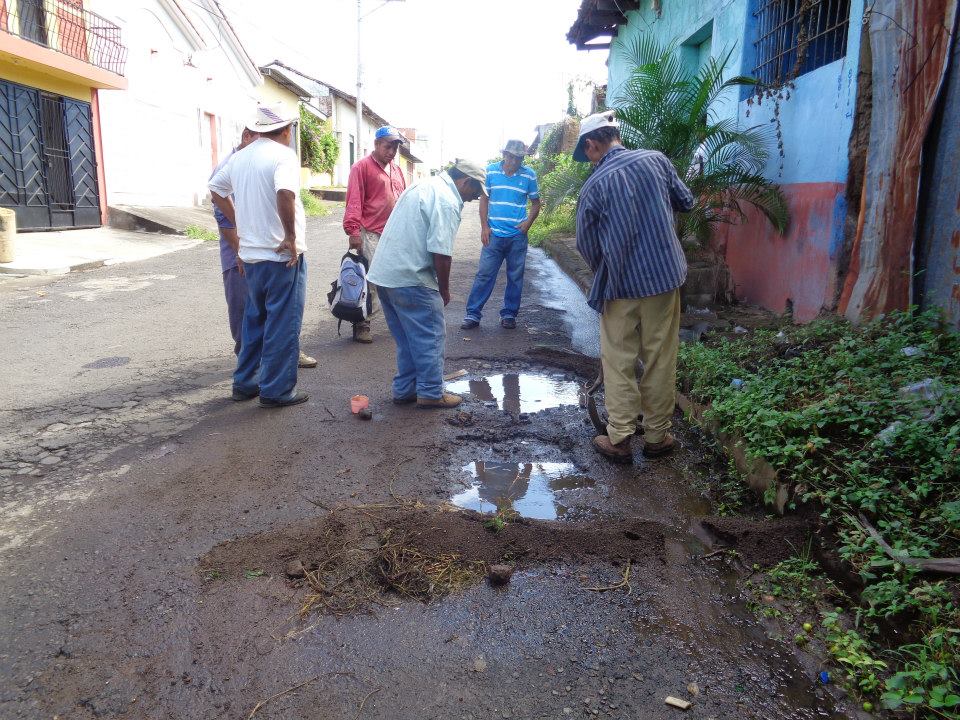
x=666, y=106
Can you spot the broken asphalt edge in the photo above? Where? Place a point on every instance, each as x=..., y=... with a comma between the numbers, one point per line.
x=757, y=472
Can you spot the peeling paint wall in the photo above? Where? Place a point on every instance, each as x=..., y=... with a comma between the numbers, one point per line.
x=910, y=42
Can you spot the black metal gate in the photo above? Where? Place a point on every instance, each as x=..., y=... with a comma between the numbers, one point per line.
x=48, y=170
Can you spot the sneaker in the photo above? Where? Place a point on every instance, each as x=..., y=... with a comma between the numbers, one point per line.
x=469, y=324
x=449, y=400
x=298, y=397
x=664, y=447
x=361, y=333
x=306, y=361
x=508, y=323
x=619, y=453
x=240, y=396
x=405, y=400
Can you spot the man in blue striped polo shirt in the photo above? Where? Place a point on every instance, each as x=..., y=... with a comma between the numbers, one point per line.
x=626, y=233
x=505, y=222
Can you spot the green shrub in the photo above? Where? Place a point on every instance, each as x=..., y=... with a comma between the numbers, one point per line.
x=318, y=144
x=312, y=205
x=201, y=233
x=863, y=421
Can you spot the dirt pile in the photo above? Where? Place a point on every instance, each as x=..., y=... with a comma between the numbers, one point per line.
x=764, y=542
x=366, y=555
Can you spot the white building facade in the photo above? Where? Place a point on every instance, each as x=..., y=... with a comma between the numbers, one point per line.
x=191, y=89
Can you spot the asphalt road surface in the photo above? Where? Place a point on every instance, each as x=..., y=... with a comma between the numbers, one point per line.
x=123, y=464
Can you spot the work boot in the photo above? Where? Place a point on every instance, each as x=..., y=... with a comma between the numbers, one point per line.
x=469, y=324
x=361, y=333
x=619, y=453
x=449, y=400
x=306, y=361
x=508, y=322
x=655, y=450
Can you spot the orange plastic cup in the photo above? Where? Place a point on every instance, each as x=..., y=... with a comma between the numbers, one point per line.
x=358, y=403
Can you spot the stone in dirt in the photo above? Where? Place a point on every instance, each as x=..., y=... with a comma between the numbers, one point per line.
x=295, y=569
x=500, y=574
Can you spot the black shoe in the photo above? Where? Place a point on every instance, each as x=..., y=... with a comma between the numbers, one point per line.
x=240, y=396
x=405, y=400
x=508, y=323
x=298, y=397
x=469, y=324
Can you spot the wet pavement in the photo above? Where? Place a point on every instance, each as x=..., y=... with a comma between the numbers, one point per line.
x=105, y=612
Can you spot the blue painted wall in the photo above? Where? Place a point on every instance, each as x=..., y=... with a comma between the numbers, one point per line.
x=817, y=119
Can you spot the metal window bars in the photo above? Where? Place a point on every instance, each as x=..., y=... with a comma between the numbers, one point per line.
x=64, y=26
x=797, y=36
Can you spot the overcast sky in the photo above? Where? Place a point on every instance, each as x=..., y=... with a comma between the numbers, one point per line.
x=471, y=73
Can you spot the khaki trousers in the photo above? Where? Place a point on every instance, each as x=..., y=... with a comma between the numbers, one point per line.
x=370, y=241
x=649, y=329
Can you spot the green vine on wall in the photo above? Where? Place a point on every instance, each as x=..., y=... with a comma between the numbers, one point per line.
x=319, y=147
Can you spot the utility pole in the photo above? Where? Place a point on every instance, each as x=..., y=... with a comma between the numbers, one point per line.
x=358, y=142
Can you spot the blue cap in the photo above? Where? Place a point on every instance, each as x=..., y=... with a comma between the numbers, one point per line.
x=388, y=132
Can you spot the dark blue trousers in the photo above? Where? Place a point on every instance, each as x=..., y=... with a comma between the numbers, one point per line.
x=271, y=329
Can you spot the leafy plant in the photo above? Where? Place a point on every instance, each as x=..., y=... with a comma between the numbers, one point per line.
x=196, y=232
x=318, y=144
x=312, y=205
x=666, y=106
x=862, y=421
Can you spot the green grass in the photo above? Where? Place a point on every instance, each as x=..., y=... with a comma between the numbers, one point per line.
x=562, y=221
x=312, y=205
x=200, y=233
x=828, y=405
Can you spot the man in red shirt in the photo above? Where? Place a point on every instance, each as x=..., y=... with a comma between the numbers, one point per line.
x=373, y=188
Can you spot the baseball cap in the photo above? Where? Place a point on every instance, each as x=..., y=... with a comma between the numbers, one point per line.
x=607, y=118
x=473, y=170
x=388, y=132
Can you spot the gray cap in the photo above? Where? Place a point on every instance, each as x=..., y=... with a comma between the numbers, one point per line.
x=473, y=170
x=515, y=147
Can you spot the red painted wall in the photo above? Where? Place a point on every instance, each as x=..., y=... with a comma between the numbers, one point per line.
x=769, y=269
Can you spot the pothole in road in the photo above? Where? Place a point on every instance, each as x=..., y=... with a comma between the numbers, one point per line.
x=532, y=490
x=521, y=392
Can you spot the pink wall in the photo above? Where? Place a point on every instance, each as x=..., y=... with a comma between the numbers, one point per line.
x=769, y=269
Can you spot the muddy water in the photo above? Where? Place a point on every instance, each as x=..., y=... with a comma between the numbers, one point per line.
x=517, y=393
x=533, y=490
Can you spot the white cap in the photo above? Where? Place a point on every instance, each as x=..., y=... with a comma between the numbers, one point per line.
x=607, y=118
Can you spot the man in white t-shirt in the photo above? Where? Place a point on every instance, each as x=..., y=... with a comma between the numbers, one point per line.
x=265, y=180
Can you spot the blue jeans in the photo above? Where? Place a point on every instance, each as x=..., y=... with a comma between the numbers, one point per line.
x=415, y=318
x=514, y=251
x=271, y=329
x=235, y=290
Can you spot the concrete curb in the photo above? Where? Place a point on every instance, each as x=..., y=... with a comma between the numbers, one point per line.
x=92, y=265
x=563, y=251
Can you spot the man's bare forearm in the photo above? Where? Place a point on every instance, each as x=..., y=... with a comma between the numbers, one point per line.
x=287, y=209
x=224, y=205
x=441, y=263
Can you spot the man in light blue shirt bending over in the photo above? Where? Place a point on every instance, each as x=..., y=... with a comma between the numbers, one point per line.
x=510, y=185
x=411, y=270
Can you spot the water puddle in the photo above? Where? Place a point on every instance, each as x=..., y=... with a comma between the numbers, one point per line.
x=533, y=490
x=519, y=392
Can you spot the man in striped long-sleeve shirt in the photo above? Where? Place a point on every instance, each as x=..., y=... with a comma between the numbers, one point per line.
x=625, y=232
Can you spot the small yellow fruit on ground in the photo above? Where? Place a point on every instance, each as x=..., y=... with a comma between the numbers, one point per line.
x=808, y=627
x=868, y=706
